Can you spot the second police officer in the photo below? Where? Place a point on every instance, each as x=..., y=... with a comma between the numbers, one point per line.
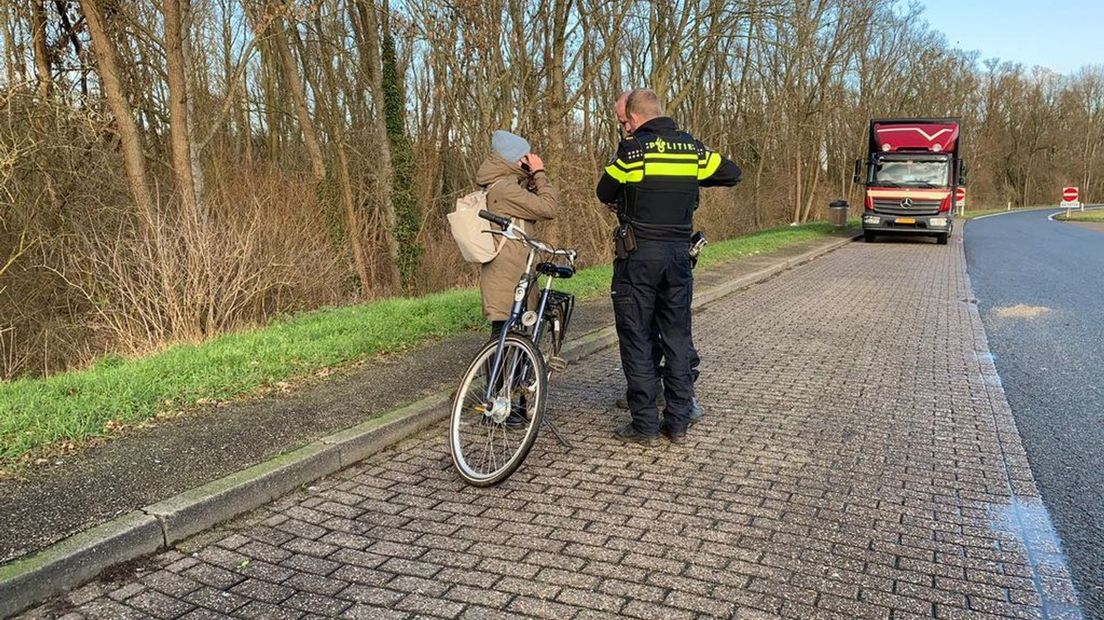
x=654, y=181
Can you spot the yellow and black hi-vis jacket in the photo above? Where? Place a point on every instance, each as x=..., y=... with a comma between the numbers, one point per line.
x=655, y=176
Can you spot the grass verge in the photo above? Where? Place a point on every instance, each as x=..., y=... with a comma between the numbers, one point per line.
x=116, y=392
x=1094, y=215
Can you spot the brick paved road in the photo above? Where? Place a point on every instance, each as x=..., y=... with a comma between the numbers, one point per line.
x=858, y=460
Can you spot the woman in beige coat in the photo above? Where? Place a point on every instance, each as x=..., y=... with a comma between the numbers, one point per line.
x=519, y=188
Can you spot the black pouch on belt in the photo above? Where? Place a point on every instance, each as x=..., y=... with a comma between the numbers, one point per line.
x=624, y=241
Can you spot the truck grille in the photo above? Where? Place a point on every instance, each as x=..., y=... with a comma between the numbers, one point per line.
x=919, y=207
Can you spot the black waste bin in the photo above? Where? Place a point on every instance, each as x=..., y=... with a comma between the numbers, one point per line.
x=837, y=212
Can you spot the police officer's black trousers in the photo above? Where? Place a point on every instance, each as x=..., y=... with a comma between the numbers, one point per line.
x=655, y=284
x=657, y=354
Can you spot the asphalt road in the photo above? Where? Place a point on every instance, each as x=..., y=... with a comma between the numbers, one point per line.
x=1040, y=289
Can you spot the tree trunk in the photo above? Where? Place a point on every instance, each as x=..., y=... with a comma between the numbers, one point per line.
x=194, y=147
x=757, y=203
x=7, y=32
x=370, y=55
x=407, y=221
x=104, y=48
x=271, y=95
x=353, y=223
x=41, y=55
x=797, y=189
x=178, y=110
x=557, y=107
x=299, y=97
x=74, y=40
x=812, y=191
x=246, y=128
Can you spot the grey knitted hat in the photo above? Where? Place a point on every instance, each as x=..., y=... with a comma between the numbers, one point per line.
x=510, y=146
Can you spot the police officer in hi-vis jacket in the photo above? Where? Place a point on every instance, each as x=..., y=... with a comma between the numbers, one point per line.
x=654, y=181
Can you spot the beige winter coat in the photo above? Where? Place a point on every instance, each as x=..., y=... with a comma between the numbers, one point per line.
x=511, y=198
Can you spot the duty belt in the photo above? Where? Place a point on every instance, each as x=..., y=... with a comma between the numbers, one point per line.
x=662, y=232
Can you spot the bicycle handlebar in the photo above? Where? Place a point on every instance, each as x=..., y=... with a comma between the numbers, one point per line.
x=513, y=232
x=497, y=219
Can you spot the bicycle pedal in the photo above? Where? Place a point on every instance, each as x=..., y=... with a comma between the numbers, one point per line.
x=557, y=364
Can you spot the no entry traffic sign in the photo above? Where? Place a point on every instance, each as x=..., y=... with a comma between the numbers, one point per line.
x=1069, y=194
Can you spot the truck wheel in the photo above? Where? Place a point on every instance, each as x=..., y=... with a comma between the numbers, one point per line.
x=868, y=237
x=942, y=239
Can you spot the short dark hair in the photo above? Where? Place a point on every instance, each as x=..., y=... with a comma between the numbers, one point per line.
x=643, y=102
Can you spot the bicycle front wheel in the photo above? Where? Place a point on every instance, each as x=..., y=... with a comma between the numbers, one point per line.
x=493, y=427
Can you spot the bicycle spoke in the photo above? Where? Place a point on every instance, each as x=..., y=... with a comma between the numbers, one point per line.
x=506, y=444
x=488, y=441
x=489, y=449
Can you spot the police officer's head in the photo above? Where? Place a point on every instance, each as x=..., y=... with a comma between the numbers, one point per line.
x=636, y=107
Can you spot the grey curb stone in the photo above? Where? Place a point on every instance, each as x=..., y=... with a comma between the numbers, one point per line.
x=157, y=526
x=198, y=509
x=76, y=560
x=363, y=440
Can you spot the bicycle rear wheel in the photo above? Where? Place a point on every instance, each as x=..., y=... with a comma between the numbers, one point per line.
x=492, y=430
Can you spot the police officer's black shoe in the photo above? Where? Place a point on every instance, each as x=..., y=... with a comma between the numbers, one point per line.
x=628, y=432
x=676, y=438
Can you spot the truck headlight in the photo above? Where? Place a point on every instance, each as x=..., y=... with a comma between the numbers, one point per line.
x=938, y=221
x=871, y=219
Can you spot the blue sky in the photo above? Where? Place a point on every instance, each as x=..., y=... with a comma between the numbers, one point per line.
x=1060, y=34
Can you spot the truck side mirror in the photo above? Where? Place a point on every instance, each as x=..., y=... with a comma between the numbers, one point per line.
x=960, y=174
x=857, y=177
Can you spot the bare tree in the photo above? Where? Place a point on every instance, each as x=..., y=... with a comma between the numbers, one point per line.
x=116, y=98
x=41, y=54
x=179, y=109
x=364, y=14
x=154, y=150
x=298, y=92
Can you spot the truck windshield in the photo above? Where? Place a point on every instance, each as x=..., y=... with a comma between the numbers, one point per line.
x=910, y=173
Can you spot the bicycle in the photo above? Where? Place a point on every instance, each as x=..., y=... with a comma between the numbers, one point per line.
x=499, y=406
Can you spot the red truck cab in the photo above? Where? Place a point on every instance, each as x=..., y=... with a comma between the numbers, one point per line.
x=913, y=168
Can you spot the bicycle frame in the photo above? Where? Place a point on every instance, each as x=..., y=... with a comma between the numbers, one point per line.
x=521, y=292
